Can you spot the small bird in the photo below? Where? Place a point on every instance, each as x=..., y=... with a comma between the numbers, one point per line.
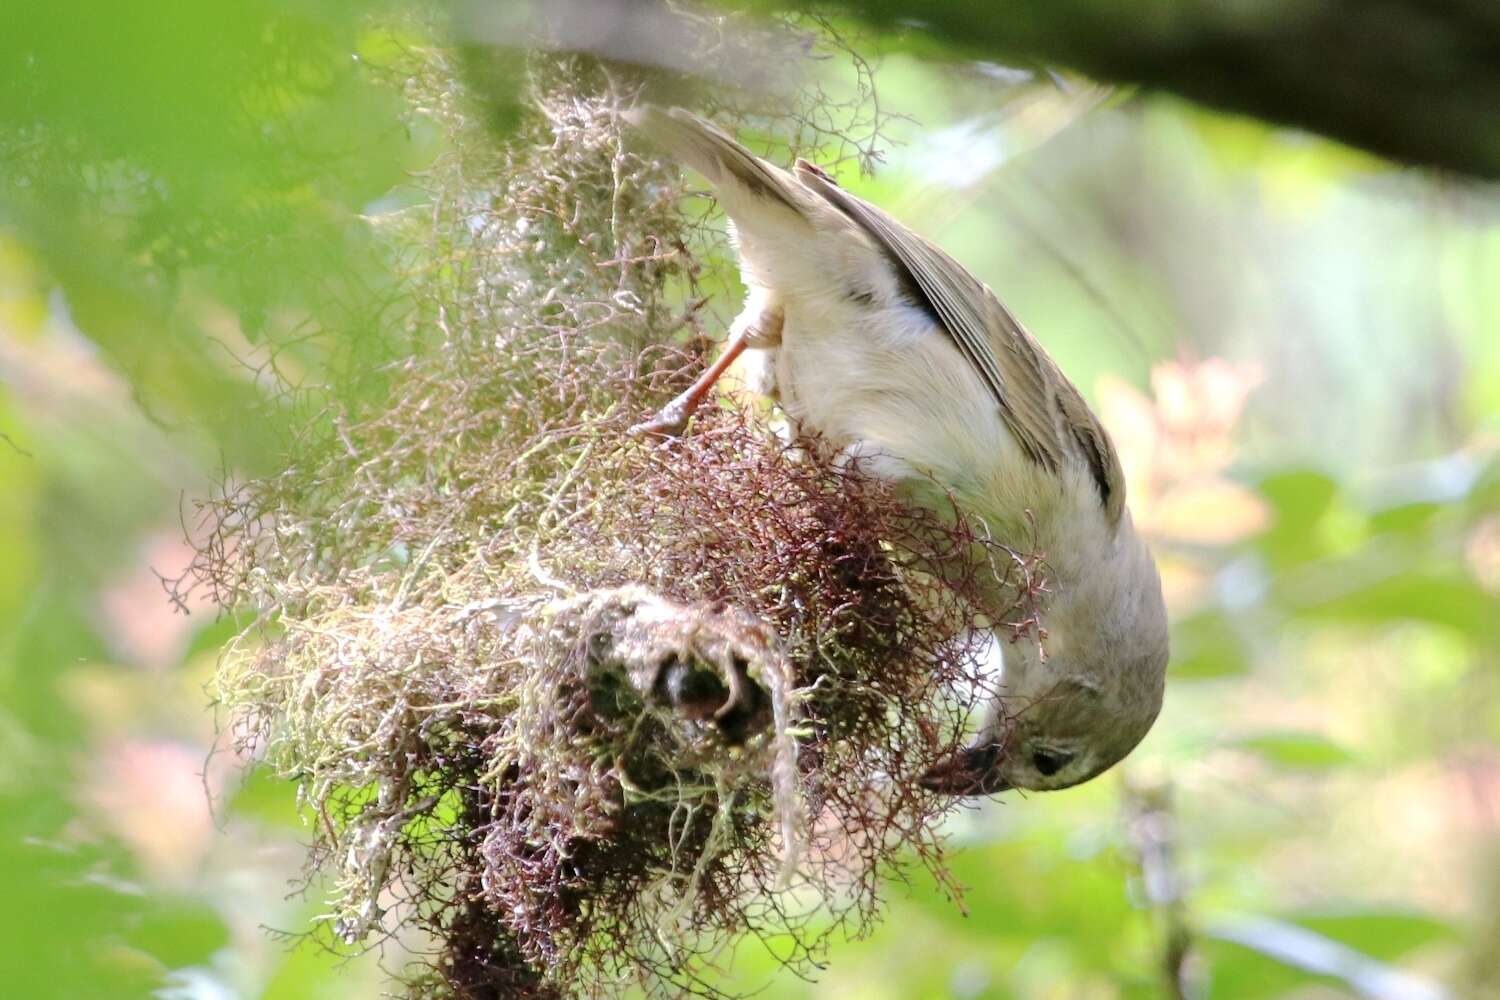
x=880, y=342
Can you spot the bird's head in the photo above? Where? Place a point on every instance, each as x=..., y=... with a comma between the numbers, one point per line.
x=1058, y=723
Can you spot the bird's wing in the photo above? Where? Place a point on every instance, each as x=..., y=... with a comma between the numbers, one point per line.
x=1093, y=443
x=1041, y=408
x=727, y=164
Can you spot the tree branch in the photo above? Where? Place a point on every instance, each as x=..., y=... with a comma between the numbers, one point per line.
x=1414, y=80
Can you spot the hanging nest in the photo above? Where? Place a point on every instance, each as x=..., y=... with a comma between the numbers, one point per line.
x=585, y=707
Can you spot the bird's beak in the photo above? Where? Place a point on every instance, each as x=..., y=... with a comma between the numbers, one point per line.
x=970, y=771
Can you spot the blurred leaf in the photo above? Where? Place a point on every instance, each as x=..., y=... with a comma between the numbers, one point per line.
x=1297, y=170
x=1299, y=500
x=210, y=636
x=1449, y=598
x=1023, y=892
x=1298, y=750
x=179, y=935
x=1405, y=519
x=1383, y=934
x=309, y=972
x=54, y=632
x=1322, y=959
x=1238, y=972
x=1205, y=646
x=387, y=46
x=65, y=905
x=497, y=75
x=192, y=190
x=21, y=474
x=264, y=796
x=1484, y=496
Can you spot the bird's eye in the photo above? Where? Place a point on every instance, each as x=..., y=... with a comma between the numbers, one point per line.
x=1049, y=762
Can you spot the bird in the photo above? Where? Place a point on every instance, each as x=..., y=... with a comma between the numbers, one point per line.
x=878, y=341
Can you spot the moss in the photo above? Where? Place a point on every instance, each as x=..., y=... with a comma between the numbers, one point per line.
x=469, y=606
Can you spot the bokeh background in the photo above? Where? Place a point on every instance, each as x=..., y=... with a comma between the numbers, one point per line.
x=1295, y=344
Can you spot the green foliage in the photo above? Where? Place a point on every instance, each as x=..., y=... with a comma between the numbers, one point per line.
x=182, y=159
x=188, y=189
x=1300, y=500
x=1205, y=645
x=62, y=892
x=1301, y=751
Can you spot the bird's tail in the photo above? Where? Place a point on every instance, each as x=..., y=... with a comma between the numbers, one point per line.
x=745, y=183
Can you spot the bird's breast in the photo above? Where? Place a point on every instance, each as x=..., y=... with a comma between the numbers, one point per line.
x=888, y=380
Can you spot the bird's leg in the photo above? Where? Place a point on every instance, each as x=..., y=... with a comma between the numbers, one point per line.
x=757, y=326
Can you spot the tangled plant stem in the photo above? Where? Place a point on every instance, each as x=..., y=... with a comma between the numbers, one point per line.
x=585, y=707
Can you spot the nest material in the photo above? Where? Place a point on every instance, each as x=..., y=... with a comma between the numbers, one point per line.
x=585, y=707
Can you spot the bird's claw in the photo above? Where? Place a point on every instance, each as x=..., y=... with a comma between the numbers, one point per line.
x=670, y=421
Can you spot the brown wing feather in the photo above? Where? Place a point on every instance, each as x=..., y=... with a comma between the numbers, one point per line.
x=1040, y=407
x=1094, y=444
x=716, y=155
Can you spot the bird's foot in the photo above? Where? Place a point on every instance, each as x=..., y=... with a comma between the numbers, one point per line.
x=758, y=326
x=671, y=420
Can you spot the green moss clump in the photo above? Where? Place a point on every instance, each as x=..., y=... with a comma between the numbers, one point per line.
x=461, y=599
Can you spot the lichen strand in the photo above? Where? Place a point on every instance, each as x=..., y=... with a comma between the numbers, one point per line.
x=437, y=655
